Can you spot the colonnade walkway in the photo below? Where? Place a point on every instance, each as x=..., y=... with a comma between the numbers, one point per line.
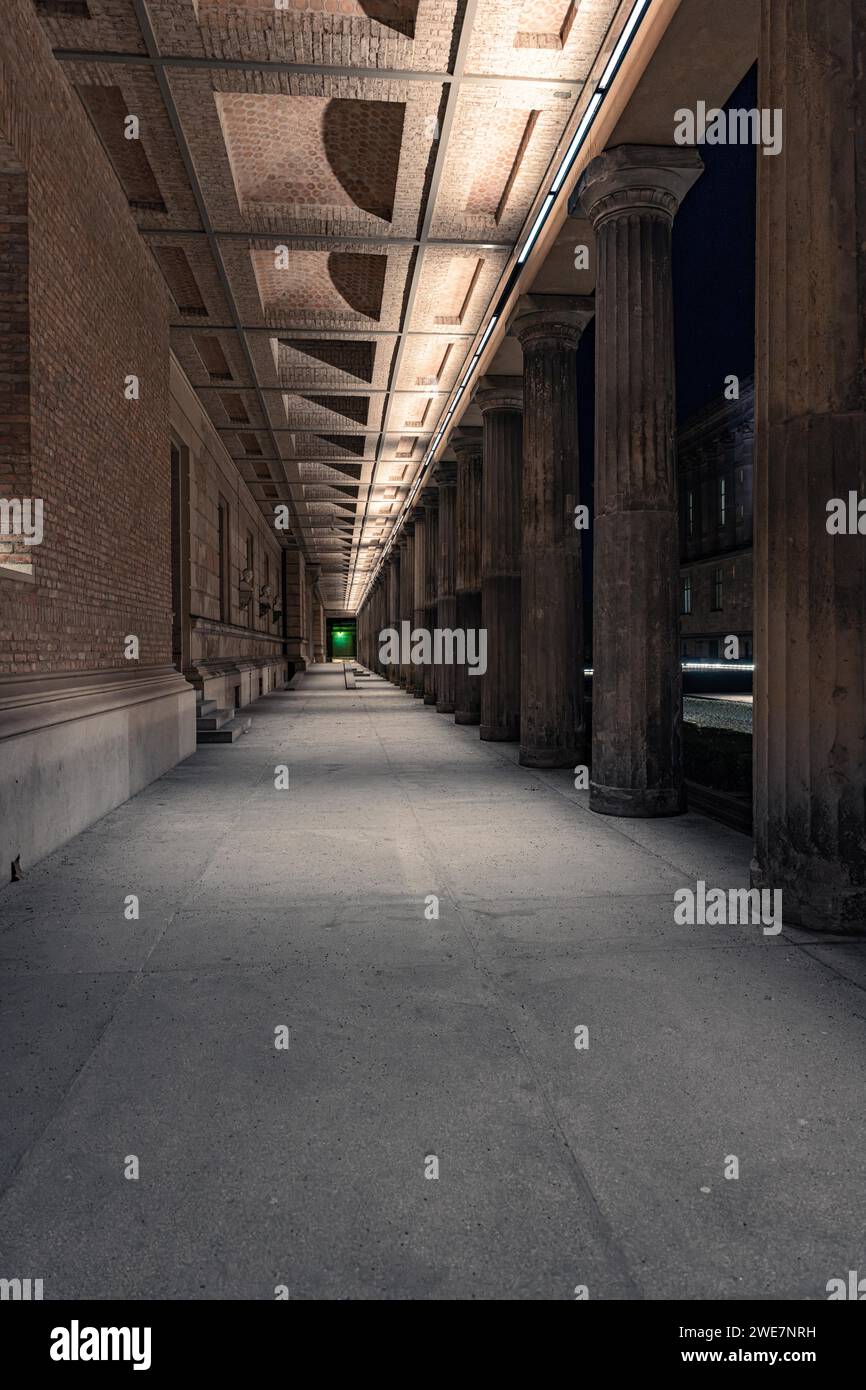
x=414, y=1038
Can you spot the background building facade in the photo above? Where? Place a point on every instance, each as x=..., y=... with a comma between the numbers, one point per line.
x=714, y=464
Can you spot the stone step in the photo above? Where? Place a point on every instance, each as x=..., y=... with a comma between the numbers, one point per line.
x=210, y=723
x=228, y=733
x=204, y=707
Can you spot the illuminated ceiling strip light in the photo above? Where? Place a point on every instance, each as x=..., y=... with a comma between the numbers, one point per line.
x=539, y=223
x=718, y=666
x=488, y=330
x=579, y=136
x=589, y=115
x=703, y=666
x=624, y=41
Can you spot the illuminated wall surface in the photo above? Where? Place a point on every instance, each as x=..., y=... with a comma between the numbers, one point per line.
x=342, y=643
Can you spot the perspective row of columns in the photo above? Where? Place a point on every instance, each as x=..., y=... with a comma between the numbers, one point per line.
x=493, y=544
x=516, y=569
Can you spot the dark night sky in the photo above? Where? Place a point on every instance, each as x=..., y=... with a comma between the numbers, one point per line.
x=714, y=294
x=714, y=269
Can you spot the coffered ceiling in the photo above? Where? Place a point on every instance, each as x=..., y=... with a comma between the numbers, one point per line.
x=333, y=190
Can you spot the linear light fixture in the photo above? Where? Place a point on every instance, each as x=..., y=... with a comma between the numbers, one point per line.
x=625, y=38
x=568, y=157
x=587, y=120
x=536, y=227
x=703, y=666
x=718, y=665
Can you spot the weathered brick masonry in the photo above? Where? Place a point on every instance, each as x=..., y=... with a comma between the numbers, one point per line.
x=98, y=312
x=82, y=307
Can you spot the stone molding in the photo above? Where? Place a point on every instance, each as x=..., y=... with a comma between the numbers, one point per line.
x=30, y=702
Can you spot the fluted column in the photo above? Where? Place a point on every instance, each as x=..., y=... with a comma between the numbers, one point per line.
x=500, y=400
x=631, y=195
x=294, y=582
x=394, y=606
x=552, y=730
x=419, y=602
x=430, y=503
x=446, y=594
x=407, y=598
x=810, y=447
x=375, y=663
x=319, y=631
x=467, y=445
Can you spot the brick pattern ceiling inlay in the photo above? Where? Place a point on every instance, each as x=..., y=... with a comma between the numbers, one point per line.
x=332, y=190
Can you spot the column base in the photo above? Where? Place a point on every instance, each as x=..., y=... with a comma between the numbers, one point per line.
x=636, y=801
x=418, y=694
x=548, y=757
x=429, y=699
x=467, y=716
x=814, y=896
x=445, y=707
x=492, y=733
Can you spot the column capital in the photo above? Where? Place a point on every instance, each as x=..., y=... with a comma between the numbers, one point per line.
x=446, y=473
x=467, y=442
x=499, y=393
x=554, y=320
x=429, y=498
x=638, y=178
x=407, y=531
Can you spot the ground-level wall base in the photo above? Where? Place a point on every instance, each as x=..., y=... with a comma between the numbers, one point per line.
x=75, y=745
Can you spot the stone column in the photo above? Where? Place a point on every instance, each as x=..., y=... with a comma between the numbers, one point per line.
x=319, y=632
x=372, y=661
x=552, y=730
x=312, y=575
x=446, y=592
x=297, y=634
x=500, y=400
x=430, y=503
x=467, y=445
x=419, y=589
x=810, y=447
x=407, y=599
x=394, y=606
x=631, y=195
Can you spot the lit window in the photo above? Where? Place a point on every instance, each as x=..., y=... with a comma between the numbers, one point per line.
x=718, y=590
x=723, y=501
x=687, y=594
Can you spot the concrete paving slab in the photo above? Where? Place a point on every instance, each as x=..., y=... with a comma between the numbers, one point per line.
x=414, y=1035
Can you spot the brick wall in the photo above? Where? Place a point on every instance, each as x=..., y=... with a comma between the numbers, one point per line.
x=98, y=312
x=242, y=631
x=14, y=354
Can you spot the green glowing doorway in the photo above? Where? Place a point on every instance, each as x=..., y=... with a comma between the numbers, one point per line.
x=341, y=639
